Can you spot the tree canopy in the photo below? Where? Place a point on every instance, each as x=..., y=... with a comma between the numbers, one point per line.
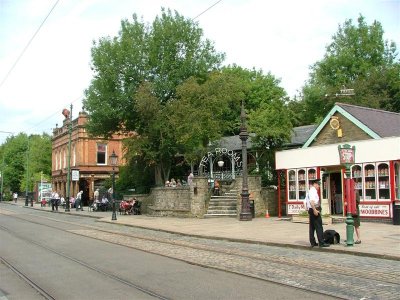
x=165, y=54
x=358, y=58
x=136, y=77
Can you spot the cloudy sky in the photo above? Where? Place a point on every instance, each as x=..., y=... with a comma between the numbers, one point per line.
x=44, y=69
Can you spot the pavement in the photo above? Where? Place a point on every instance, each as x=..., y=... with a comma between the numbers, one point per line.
x=378, y=239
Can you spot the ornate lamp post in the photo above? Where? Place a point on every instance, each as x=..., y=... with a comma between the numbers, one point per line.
x=2, y=177
x=113, y=161
x=245, y=214
x=27, y=176
x=69, y=159
x=347, y=158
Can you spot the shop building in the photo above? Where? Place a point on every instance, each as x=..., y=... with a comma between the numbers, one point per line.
x=89, y=159
x=376, y=137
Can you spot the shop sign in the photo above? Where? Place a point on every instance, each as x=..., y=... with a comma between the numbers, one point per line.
x=295, y=209
x=44, y=190
x=346, y=154
x=374, y=210
x=75, y=175
x=220, y=152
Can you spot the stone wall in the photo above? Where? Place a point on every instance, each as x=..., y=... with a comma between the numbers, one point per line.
x=193, y=201
x=199, y=196
x=270, y=197
x=350, y=132
x=254, y=186
x=170, y=201
x=145, y=200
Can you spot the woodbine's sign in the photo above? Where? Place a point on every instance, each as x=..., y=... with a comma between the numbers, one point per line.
x=366, y=210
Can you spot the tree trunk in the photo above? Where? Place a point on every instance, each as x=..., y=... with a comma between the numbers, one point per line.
x=157, y=174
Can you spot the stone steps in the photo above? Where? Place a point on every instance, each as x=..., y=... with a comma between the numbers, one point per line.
x=223, y=206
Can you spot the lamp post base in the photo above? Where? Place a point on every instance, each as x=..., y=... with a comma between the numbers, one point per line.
x=114, y=214
x=245, y=216
x=349, y=230
x=67, y=205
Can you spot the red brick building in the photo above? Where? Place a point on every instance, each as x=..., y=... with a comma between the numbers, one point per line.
x=89, y=156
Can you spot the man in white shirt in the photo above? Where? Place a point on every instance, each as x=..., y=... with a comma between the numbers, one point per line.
x=78, y=201
x=314, y=212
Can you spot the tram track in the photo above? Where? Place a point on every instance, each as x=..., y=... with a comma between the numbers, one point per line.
x=277, y=259
x=75, y=260
x=27, y=279
x=270, y=268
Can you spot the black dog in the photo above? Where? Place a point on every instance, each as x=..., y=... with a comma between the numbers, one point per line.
x=331, y=237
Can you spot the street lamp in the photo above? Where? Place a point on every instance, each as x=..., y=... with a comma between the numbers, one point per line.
x=347, y=158
x=245, y=214
x=27, y=174
x=68, y=115
x=113, y=161
x=1, y=175
x=221, y=164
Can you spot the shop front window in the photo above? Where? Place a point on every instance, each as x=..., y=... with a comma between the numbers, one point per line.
x=357, y=175
x=397, y=179
x=383, y=181
x=370, y=182
x=292, y=185
x=302, y=183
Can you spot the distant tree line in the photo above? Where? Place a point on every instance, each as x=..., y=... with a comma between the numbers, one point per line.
x=24, y=160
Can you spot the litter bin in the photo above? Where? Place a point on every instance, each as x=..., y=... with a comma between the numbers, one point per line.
x=396, y=213
x=253, y=213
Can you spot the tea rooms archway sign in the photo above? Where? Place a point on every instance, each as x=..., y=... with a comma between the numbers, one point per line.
x=211, y=156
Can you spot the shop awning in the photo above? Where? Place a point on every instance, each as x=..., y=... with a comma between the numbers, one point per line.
x=366, y=151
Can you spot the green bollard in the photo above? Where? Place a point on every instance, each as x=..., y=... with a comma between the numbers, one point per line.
x=349, y=230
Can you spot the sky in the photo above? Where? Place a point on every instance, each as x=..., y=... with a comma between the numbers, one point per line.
x=45, y=67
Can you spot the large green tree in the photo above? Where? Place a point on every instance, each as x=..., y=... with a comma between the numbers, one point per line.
x=357, y=58
x=211, y=109
x=136, y=75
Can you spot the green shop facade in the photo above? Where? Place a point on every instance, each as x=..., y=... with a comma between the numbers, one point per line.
x=375, y=134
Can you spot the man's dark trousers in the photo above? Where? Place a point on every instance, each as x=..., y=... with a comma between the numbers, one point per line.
x=315, y=225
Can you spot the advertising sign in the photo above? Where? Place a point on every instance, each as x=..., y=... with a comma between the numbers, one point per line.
x=373, y=210
x=44, y=191
x=75, y=175
x=295, y=209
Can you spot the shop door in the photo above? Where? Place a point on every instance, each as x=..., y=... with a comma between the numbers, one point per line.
x=84, y=186
x=335, y=197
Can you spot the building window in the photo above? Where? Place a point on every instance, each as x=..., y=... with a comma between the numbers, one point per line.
x=65, y=160
x=56, y=163
x=74, y=156
x=59, y=160
x=101, y=154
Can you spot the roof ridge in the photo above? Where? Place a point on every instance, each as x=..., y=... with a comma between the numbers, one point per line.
x=366, y=108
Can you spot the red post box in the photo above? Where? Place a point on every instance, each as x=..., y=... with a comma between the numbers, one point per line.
x=350, y=196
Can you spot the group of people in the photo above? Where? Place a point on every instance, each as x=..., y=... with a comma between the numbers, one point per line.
x=100, y=204
x=173, y=183
x=313, y=206
x=178, y=182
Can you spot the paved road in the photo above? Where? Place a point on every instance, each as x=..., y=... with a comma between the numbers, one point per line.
x=336, y=274
x=54, y=251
